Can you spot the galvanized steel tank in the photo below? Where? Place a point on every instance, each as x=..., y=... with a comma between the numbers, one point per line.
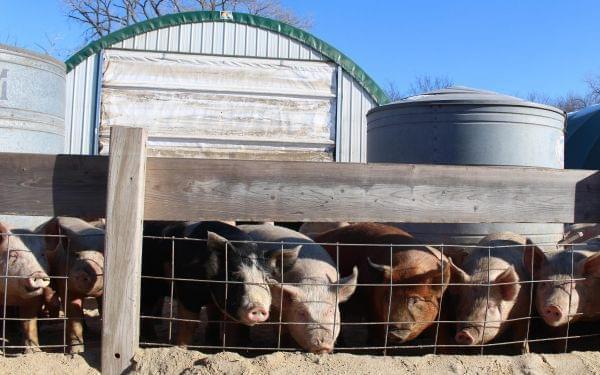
x=32, y=109
x=32, y=102
x=464, y=126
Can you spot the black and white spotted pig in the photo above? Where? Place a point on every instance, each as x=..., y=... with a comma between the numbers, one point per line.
x=220, y=257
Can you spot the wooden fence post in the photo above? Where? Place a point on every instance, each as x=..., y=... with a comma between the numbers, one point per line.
x=123, y=252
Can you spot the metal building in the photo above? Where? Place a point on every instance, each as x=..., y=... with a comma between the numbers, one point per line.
x=220, y=85
x=464, y=126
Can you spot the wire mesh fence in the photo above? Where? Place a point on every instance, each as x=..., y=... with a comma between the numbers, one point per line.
x=448, y=299
x=40, y=309
x=263, y=296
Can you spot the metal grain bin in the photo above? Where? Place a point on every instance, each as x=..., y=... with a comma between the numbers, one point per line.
x=464, y=126
x=32, y=102
x=32, y=109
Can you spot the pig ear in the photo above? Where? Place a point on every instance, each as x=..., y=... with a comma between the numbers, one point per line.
x=278, y=290
x=457, y=274
x=347, y=286
x=591, y=266
x=508, y=279
x=216, y=243
x=383, y=269
x=4, y=237
x=287, y=256
x=53, y=242
x=533, y=257
x=445, y=273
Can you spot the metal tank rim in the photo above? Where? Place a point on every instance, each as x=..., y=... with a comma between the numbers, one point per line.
x=183, y=18
x=32, y=54
x=446, y=97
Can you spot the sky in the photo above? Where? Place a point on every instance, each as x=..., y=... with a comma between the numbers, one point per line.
x=510, y=46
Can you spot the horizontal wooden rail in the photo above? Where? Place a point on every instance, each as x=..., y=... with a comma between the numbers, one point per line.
x=194, y=189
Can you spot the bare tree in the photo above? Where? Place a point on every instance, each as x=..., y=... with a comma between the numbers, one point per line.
x=421, y=84
x=571, y=102
x=101, y=17
x=426, y=83
x=593, y=84
x=393, y=92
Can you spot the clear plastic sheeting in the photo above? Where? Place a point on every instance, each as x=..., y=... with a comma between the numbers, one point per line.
x=217, y=106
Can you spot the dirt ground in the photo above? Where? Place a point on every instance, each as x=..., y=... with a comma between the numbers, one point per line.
x=181, y=361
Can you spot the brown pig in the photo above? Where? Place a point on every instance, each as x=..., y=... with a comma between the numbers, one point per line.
x=313, y=229
x=484, y=312
x=78, y=254
x=559, y=299
x=27, y=279
x=414, y=307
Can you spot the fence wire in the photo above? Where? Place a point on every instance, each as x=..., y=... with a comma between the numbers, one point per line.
x=45, y=322
x=357, y=336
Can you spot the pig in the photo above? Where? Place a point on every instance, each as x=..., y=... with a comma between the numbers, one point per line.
x=413, y=308
x=27, y=281
x=246, y=301
x=561, y=300
x=75, y=248
x=313, y=229
x=316, y=306
x=481, y=319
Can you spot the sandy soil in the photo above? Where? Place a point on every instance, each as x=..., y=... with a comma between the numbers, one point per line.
x=180, y=361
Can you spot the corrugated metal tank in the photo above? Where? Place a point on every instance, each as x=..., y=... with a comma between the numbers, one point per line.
x=32, y=109
x=464, y=126
x=32, y=102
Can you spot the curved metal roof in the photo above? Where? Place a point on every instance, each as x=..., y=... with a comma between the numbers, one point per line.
x=214, y=16
x=464, y=95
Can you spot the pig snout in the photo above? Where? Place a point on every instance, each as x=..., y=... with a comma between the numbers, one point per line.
x=552, y=314
x=254, y=314
x=466, y=336
x=399, y=335
x=257, y=314
x=36, y=282
x=321, y=345
x=87, y=278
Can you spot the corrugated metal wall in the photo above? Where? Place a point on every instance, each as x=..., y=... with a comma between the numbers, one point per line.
x=216, y=38
x=81, y=107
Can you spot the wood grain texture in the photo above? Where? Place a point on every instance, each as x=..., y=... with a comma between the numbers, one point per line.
x=123, y=252
x=53, y=185
x=192, y=189
x=185, y=189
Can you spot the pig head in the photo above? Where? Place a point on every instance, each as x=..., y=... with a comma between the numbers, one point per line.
x=27, y=282
x=26, y=268
x=416, y=306
x=310, y=303
x=568, y=285
x=411, y=308
x=75, y=249
x=488, y=293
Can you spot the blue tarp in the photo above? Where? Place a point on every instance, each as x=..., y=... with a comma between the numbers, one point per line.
x=582, y=143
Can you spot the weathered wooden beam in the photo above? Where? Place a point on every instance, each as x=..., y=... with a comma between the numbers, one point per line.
x=193, y=189
x=53, y=185
x=185, y=189
x=123, y=252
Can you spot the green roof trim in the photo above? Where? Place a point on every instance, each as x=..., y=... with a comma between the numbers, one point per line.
x=177, y=19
